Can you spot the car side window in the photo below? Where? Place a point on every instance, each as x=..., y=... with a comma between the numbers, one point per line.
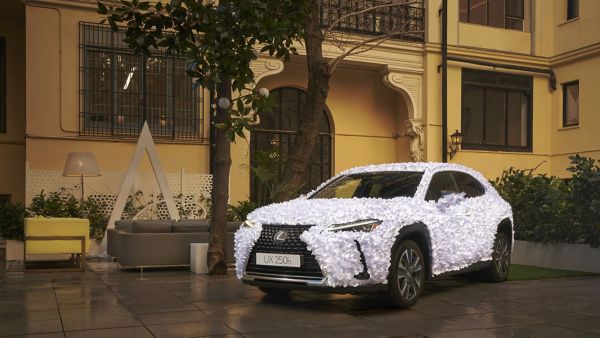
x=468, y=184
x=441, y=183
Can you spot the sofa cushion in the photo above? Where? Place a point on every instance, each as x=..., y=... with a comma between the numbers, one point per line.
x=124, y=224
x=191, y=226
x=152, y=226
x=233, y=226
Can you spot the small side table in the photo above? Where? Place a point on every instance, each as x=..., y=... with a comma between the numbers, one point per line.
x=198, y=253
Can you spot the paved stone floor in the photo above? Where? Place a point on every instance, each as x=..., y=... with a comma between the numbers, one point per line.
x=168, y=303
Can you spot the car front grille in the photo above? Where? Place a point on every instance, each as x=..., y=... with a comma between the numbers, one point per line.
x=292, y=245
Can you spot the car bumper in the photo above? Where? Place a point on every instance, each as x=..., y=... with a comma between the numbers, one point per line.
x=304, y=283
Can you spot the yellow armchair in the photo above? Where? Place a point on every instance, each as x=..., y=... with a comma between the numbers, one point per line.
x=54, y=236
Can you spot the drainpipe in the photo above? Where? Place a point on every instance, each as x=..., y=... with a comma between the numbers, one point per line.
x=444, y=81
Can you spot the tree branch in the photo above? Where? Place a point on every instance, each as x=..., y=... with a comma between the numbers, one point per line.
x=378, y=41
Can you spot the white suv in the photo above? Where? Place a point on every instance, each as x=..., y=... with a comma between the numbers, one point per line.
x=379, y=227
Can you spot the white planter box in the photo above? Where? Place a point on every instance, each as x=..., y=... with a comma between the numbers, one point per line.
x=576, y=257
x=95, y=247
x=14, y=250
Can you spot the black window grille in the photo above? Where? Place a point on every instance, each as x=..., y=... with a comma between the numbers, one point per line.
x=379, y=21
x=496, y=111
x=2, y=85
x=275, y=135
x=120, y=90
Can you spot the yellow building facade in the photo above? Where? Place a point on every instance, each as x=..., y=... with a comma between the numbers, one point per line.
x=378, y=104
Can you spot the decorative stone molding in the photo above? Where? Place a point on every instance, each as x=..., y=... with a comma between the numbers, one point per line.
x=411, y=88
x=263, y=67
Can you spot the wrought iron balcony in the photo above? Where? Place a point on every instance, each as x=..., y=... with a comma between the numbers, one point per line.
x=405, y=20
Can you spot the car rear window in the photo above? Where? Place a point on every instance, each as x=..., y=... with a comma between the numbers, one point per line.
x=373, y=185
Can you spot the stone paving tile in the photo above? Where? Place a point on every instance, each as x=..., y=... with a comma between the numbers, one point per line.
x=491, y=320
x=97, y=318
x=42, y=335
x=175, y=317
x=177, y=303
x=589, y=325
x=384, y=315
x=139, y=309
x=125, y=332
x=539, y=330
x=191, y=329
x=150, y=299
x=361, y=331
x=26, y=326
x=290, y=333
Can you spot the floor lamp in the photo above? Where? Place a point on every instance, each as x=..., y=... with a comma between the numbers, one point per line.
x=81, y=165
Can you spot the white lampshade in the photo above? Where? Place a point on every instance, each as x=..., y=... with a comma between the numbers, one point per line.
x=81, y=164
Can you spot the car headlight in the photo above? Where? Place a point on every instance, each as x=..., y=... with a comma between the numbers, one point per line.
x=248, y=224
x=364, y=225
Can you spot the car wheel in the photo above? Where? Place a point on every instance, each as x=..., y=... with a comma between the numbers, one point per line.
x=498, y=270
x=407, y=274
x=274, y=292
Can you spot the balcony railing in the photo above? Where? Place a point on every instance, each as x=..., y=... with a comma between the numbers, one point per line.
x=408, y=19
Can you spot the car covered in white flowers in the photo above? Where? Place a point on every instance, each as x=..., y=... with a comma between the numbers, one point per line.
x=385, y=227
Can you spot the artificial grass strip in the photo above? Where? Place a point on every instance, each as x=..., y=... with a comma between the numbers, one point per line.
x=526, y=272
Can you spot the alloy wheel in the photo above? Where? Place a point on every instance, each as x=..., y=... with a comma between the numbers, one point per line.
x=501, y=256
x=410, y=274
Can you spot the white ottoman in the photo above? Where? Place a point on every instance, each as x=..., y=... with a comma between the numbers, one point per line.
x=198, y=253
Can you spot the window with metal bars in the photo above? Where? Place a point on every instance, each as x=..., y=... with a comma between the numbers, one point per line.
x=119, y=90
x=274, y=136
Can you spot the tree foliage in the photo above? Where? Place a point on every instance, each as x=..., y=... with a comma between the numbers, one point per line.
x=220, y=41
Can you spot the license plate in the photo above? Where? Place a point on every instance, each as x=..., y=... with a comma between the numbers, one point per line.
x=274, y=259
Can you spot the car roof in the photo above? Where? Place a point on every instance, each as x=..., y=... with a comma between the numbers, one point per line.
x=408, y=166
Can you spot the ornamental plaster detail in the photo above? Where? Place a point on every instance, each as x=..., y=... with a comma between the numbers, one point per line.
x=263, y=67
x=414, y=131
x=411, y=88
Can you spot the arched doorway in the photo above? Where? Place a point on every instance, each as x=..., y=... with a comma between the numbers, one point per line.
x=271, y=141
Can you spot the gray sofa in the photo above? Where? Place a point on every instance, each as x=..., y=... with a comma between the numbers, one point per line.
x=148, y=243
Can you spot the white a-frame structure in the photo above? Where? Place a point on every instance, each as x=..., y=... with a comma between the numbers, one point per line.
x=144, y=144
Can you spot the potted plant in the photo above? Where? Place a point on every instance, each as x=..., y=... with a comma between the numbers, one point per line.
x=11, y=229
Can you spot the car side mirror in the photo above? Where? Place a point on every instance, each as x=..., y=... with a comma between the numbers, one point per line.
x=445, y=193
x=450, y=198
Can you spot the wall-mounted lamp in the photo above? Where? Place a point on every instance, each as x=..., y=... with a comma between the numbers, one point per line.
x=455, y=142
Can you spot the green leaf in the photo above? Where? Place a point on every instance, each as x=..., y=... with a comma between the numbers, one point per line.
x=102, y=8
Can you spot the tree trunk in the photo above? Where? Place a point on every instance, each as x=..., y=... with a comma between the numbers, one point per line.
x=294, y=176
x=217, y=263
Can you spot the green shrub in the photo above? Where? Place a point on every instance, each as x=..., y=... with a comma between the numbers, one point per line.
x=11, y=221
x=549, y=209
x=240, y=211
x=584, y=200
x=63, y=204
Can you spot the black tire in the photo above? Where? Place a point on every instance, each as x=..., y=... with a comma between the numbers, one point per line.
x=274, y=292
x=498, y=271
x=407, y=274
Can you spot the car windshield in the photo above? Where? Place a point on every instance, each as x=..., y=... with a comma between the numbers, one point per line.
x=372, y=185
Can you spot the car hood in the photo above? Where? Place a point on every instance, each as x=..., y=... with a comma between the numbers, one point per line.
x=324, y=212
